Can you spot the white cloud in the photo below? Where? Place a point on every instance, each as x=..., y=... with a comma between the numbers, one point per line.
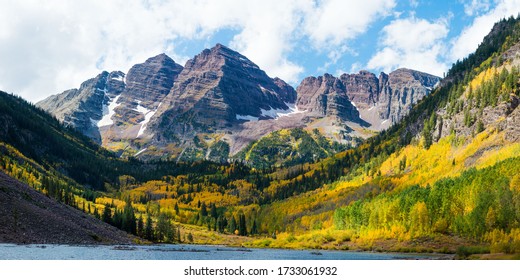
x=475, y=7
x=412, y=43
x=468, y=41
x=48, y=47
x=356, y=67
x=330, y=25
x=55, y=46
x=268, y=35
x=334, y=21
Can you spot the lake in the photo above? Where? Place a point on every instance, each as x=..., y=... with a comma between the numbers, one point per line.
x=185, y=252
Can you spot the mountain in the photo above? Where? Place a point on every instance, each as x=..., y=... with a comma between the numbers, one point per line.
x=221, y=102
x=444, y=178
x=217, y=89
x=216, y=92
x=326, y=96
x=362, y=98
x=288, y=147
x=85, y=108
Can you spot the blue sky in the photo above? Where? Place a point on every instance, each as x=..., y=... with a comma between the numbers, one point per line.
x=49, y=46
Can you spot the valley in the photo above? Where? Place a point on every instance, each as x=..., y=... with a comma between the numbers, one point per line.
x=217, y=152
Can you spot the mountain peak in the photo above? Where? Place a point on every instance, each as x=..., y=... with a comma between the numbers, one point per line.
x=160, y=58
x=152, y=79
x=220, y=46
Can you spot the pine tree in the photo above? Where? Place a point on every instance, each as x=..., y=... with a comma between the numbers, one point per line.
x=254, y=229
x=242, y=229
x=165, y=230
x=203, y=210
x=232, y=224
x=140, y=227
x=128, y=222
x=162, y=227
x=107, y=215
x=213, y=210
x=117, y=219
x=224, y=223
x=220, y=224
x=96, y=214
x=176, y=208
x=148, y=231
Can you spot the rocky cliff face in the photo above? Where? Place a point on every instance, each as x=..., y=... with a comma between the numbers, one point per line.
x=326, y=96
x=152, y=80
x=363, y=98
x=83, y=108
x=146, y=86
x=400, y=90
x=112, y=107
x=217, y=89
x=362, y=89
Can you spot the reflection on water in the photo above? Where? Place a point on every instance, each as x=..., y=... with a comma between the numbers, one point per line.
x=184, y=252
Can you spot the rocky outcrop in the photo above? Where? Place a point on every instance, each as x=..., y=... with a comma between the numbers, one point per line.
x=219, y=88
x=146, y=86
x=400, y=90
x=82, y=108
x=362, y=89
x=152, y=80
x=149, y=82
x=286, y=92
x=325, y=96
x=365, y=99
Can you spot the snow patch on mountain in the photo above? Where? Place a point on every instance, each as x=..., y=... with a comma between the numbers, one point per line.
x=108, y=112
x=246, y=117
x=278, y=113
x=148, y=114
x=140, y=152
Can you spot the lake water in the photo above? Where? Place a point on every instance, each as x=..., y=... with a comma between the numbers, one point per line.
x=185, y=252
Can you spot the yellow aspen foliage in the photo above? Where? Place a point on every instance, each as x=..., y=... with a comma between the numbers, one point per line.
x=515, y=183
x=419, y=217
x=491, y=218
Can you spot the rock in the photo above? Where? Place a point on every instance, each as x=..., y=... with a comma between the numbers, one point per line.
x=401, y=90
x=326, y=96
x=27, y=216
x=146, y=86
x=362, y=88
x=365, y=99
x=82, y=108
x=214, y=89
x=151, y=81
